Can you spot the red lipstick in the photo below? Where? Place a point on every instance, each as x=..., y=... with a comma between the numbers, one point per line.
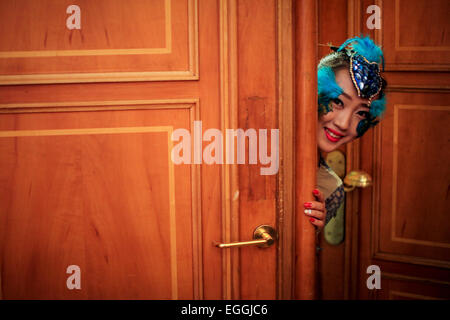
x=332, y=135
x=335, y=132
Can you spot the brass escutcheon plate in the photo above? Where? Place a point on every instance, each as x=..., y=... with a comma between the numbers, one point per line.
x=265, y=232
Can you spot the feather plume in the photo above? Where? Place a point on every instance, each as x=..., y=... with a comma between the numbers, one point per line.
x=378, y=106
x=327, y=86
x=364, y=46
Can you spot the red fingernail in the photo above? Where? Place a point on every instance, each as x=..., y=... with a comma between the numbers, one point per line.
x=307, y=204
x=316, y=192
x=312, y=219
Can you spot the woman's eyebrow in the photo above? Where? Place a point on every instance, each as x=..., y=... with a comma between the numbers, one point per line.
x=366, y=105
x=347, y=95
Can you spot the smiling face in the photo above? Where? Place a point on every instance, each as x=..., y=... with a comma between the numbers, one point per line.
x=338, y=126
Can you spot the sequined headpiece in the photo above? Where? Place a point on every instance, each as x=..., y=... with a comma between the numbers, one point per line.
x=365, y=57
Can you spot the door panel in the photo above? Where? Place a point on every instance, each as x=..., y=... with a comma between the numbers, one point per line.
x=159, y=44
x=97, y=190
x=417, y=36
x=413, y=169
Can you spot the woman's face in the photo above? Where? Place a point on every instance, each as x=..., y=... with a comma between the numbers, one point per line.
x=338, y=126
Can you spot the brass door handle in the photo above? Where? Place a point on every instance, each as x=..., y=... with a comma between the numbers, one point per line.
x=263, y=236
x=355, y=179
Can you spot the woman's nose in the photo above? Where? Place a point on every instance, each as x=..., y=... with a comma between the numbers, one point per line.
x=343, y=119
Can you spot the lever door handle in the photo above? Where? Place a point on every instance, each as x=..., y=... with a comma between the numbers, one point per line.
x=357, y=179
x=263, y=236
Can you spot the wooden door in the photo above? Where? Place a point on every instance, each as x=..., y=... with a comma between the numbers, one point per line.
x=400, y=224
x=404, y=218
x=86, y=175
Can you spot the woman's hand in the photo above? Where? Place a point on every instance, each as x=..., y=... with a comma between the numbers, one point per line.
x=316, y=210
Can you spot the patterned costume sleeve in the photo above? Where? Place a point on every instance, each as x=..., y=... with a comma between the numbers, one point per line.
x=333, y=202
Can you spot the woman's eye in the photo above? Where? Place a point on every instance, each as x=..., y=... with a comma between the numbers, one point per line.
x=363, y=114
x=338, y=102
